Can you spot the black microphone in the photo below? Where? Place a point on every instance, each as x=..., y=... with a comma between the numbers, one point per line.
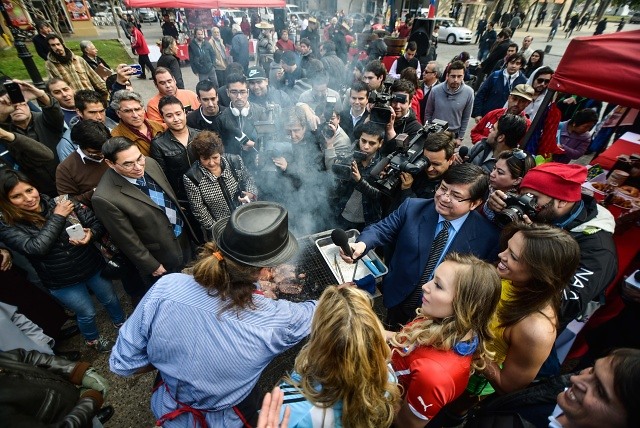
x=463, y=152
x=340, y=238
x=379, y=167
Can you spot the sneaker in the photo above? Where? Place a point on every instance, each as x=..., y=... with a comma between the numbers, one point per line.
x=117, y=325
x=100, y=344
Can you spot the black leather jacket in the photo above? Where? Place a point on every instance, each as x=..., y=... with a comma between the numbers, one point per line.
x=39, y=390
x=56, y=261
x=174, y=159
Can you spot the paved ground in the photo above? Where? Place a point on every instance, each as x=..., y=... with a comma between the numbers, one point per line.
x=130, y=397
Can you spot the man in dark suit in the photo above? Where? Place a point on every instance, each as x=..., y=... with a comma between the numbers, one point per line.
x=358, y=98
x=415, y=228
x=136, y=204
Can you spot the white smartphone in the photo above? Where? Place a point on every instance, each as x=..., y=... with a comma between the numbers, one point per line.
x=76, y=232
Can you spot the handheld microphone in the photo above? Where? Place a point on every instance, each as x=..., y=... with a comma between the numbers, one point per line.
x=463, y=152
x=379, y=167
x=340, y=238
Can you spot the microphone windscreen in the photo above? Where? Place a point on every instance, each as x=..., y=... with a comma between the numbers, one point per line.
x=377, y=169
x=463, y=152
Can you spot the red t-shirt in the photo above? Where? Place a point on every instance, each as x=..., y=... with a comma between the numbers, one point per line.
x=431, y=378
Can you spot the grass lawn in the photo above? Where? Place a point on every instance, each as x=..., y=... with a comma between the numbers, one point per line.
x=110, y=50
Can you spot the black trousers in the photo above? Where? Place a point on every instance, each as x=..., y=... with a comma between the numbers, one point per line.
x=145, y=61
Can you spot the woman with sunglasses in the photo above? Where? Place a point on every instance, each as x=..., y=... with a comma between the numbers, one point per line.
x=536, y=60
x=507, y=174
x=37, y=226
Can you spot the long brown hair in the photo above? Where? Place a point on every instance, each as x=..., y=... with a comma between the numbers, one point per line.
x=474, y=304
x=552, y=257
x=347, y=357
x=11, y=214
x=225, y=278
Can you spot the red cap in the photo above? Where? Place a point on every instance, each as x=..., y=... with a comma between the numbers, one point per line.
x=557, y=180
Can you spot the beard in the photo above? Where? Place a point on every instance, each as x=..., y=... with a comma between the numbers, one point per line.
x=63, y=59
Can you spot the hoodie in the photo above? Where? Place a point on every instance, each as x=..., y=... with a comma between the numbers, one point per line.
x=532, y=108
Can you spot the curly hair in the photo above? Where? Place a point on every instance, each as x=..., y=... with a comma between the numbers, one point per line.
x=207, y=144
x=475, y=301
x=346, y=360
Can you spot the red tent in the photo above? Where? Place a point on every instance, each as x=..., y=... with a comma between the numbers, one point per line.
x=605, y=68
x=206, y=4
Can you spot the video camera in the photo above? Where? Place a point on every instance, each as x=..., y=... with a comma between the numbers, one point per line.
x=327, y=111
x=270, y=144
x=342, y=166
x=517, y=207
x=381, y=110
x=408, y=157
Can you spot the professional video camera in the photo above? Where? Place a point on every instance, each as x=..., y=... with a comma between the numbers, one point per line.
x=517, y=207
x=270, y=143
x=381, y=110
x=408, y=157
x=342, y=166
x=325, y=112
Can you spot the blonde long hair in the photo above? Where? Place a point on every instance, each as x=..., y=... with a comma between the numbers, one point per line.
x=347, y=357
x=474, y=304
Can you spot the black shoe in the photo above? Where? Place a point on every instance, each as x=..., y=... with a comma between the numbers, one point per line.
x=142, y=77
x=105, y=414
x=68, y=332
x=69, y=355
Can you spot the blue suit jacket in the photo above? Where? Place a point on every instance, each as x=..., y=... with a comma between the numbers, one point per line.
x=493, y=94
x=412, y=228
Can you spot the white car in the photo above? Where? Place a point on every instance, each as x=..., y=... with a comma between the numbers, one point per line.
x=234, y=15
x=451, y=32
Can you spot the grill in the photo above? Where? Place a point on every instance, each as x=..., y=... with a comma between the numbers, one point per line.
x=310, y=262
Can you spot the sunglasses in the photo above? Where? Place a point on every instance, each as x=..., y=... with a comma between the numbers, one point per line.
x=541, y=80
x=519, y=154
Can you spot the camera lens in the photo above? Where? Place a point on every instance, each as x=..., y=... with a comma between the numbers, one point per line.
x=509, y=215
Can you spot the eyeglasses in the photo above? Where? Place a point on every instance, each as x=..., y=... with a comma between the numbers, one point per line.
x=429, y=72
x=541, y=80
x=131, y=110
x=519, y=154
x=128, y=166
x=443, y=191
x=237, y=93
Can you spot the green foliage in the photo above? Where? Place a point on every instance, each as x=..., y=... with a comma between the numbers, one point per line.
x=110, y=50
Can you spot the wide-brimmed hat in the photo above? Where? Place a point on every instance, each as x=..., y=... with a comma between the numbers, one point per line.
x=312, y=20
x=264, y=25
x=346, y=26
x=256, y=234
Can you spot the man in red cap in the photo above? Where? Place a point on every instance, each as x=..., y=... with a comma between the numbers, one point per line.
x=556, y=188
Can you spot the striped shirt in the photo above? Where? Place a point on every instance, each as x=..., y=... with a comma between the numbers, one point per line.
x=78, y=74
x=208, y=359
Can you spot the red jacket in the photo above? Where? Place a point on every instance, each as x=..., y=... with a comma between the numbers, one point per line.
x=138, y=43
x=285, y=46
x=484, y=127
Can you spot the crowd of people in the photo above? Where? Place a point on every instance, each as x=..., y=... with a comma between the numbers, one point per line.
x=191, y=197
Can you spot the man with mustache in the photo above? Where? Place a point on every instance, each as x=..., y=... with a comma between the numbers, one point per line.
x=63, y=63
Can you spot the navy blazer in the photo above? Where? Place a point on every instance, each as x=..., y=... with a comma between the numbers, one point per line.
x=411, y=227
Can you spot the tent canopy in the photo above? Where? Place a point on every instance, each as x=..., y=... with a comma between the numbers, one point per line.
x=604, y=68
x=206, y=4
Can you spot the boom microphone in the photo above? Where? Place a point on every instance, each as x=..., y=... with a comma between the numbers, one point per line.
x=340, y=238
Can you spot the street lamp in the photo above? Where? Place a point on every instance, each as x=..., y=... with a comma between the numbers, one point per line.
x=19, y=38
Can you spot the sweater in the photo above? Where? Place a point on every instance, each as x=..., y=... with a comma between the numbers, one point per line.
x=77, y=177
x=452, y=107
x=143, y=143
x=187, y=98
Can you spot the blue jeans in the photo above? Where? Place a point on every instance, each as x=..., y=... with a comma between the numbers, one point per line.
x=76, y=297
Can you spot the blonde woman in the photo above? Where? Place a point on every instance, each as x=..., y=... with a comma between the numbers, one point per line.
x=434, y=355
x=341, y=377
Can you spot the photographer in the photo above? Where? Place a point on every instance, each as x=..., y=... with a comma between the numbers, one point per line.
x=439, y=149
x=557, y=199
x=319, y=94
x=337, y=142
x=403, y=120
x=357, y=200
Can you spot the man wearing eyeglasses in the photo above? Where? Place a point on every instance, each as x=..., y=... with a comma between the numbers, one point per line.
x=519, y=98
x=166, y=84
x=137, y=205
x=129, y=107
x=413, y=228
x=539, y=80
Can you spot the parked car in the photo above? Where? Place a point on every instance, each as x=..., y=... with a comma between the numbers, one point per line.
x=147, y=15
x=451, y=32
x=635, y=19
x=233, y=14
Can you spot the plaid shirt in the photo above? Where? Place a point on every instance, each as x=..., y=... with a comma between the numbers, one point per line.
x=78, y=74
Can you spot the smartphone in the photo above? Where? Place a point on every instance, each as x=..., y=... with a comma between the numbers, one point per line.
x=137, y=69
x=14, y=92
x=75, y=232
